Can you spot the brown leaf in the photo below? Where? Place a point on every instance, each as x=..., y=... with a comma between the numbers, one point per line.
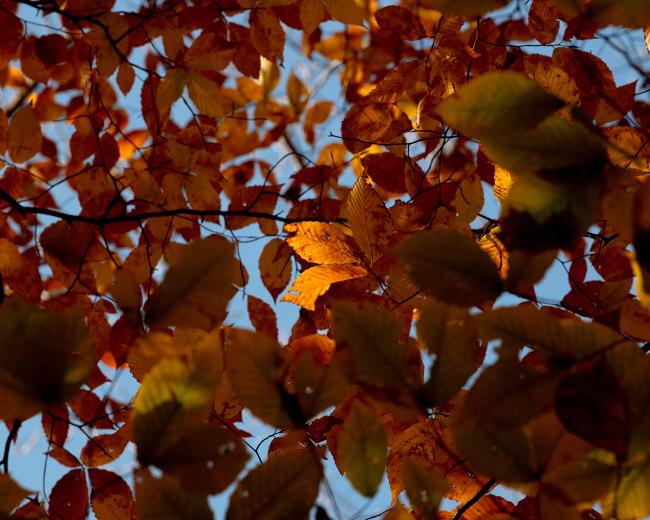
x=69, y=497
x=24, y=137
x=111, y=497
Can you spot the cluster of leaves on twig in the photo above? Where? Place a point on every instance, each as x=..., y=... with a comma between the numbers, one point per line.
x=395, y=280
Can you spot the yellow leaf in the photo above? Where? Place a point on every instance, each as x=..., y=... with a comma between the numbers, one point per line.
x=205, y=94
x=45, y=356
x=320, y=243
x=164, y=499
x=24, y=137
x=345, y=11
x=255, y=366
x=450, y=266
x=285, y=487
x=361, y=449
x=373, y=335
x=197, y=287
x=369, y=219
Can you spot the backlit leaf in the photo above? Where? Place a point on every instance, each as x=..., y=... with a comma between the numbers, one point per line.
x=320, y=243
x=372, y=334
x=164, y=499
x=467, y=8
x=369, y=123
x=316, y=281
x=256, y=367
x=345, y=11
x=450, y=266
x=369, y=219
x=424, y=487
x=24, y=136
x=110, y=497
x=498, y=104
x=361, y=449
x=197, y=287
x=44, y=357
x=283, y=488
x=69, y=497
x=11, y=494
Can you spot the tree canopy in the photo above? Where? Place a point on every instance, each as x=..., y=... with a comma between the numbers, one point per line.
x=358, y=143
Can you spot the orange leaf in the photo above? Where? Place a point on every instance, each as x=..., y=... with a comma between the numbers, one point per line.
x=320, y=243
x=267, y=34
x=25, y=137
x=111, y=497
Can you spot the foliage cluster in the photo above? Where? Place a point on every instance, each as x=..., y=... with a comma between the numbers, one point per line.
x=396, y=274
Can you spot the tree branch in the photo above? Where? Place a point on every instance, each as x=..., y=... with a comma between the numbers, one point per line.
x=479, y=494
x=12, y=435
x=105, y=220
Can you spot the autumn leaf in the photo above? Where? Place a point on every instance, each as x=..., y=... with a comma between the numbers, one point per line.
x=45, y=357
x=316, y=281
x=11, y=494
x=451, y=266
x=164, y=499
x=467, y=8
x=498, y=104
x=373, y=337
x=284, y=487
x=369, y=219
x=361, y=449
x=197, y=287
x=72, y=484
x=320, y=243
x=24, y=135
x=256, y=368
x=110, y=496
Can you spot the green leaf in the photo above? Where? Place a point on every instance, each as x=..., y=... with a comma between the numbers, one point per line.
x=318, y=387
x=498, y=105
x=585, y=479
x=206, y=459
x=373, y=335
x=285, y=487
x=45, y=356
x=450, y=266
x=255, y=367
x=505, y=455
x=451, y=335
x=361, y=449
x=557, y=149
x=164, y=499
x=526, y=325
x=509, y=393
x=174, y=393
x=197, y=287
x=424, y=486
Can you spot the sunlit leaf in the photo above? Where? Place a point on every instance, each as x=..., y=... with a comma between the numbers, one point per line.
x=320, y=243
x=316, y=281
